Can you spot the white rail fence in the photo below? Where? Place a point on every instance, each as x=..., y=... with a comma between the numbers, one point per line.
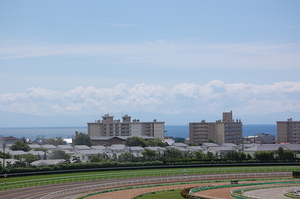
x=47, y=181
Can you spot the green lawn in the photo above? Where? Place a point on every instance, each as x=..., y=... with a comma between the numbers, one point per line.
x=165, y=195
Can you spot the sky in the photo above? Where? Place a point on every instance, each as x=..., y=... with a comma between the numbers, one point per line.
x=76, y=57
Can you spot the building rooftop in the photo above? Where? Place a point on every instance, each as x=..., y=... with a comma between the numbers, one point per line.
x=82, y=147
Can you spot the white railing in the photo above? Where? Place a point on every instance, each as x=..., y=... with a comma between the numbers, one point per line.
x=47, y=181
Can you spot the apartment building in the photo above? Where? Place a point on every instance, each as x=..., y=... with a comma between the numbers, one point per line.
x=226, y=130
x=108, y=128
x=288, y=131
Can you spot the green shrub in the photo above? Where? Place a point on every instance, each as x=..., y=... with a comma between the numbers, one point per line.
x=296, y=174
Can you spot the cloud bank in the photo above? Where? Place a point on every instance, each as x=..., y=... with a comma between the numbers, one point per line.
x=211, y=98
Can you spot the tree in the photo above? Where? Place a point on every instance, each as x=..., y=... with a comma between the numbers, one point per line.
x=173, y=154
x=45, y=156
x=235, y=155
x=95, y=158
x=76, y=159
x=156, y=142
x=82, y=139
x=20, y=146
x=19, y=164
x=264, y=156
x=285, y=155
x=290, y=155
x=149, y=155
x=67, y=158
x=5, y=155
x=57, y=141
x=29, y=158
x=211, y=140
x=210, y=155
x=104, y=157
x=248, y=156
x=126, y=157
x=280, y=153
x=41, y=149
x=189, y=155
x=58, y=154
x=199, y=154
x=135, y=141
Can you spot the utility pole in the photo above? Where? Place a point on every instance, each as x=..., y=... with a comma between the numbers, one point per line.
x=3, y=154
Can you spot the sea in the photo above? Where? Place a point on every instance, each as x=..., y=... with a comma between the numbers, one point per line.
x=170, y=131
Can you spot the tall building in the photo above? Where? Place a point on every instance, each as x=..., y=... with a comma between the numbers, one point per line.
x=108, y=128
x=226, y=130
x=288, y=131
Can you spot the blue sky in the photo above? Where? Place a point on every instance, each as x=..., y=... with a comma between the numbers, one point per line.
x=63, y=57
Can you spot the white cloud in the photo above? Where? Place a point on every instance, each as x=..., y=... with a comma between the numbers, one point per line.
x=213, y=97
x=190, y=54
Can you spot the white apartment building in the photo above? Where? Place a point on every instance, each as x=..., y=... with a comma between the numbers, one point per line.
x=109, y=128
x=288, y=131
x=226, y=130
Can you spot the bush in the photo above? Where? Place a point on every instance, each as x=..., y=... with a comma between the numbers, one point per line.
x=296, y=174
x=185, y=193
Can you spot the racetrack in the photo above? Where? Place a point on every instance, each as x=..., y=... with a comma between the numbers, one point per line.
x=39, y=191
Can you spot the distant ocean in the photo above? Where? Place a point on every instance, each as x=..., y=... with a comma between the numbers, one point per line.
x=171, y=130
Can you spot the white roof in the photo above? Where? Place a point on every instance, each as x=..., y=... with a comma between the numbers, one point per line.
x=91, y=152
x=210, y=144
x=274, y=147
x=292, y=147
x=48, y=162
x=155, y=148
x=179, y=144
x=195, y=148
x=17, y=152
x=82, y=147
x=229, y=144
x=116, y=147
x=65, y=147
x=135, y=148
x=169, y=142
x=36, y=152
x=221, y=149
x=49, y=146
x=179, y=148
x=34, y=146
x=69, y=152
x=99, y=147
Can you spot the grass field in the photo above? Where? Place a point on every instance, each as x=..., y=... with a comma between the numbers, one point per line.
x=165, y=195
x=36, y=180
